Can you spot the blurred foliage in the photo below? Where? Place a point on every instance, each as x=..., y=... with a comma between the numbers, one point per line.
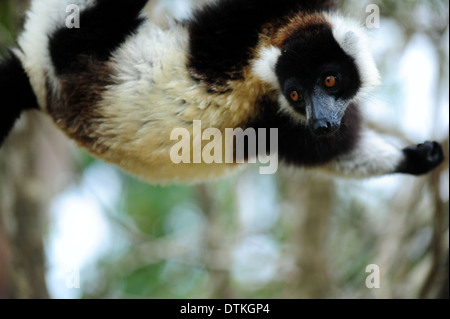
x=7, y=25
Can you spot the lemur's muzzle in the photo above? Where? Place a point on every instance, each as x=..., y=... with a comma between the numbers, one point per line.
x=324, y=114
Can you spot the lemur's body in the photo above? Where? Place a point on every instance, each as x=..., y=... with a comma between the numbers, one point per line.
x=119, y=84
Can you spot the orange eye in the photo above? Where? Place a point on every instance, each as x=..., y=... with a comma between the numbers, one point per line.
x=295, y=96
x=330, y=81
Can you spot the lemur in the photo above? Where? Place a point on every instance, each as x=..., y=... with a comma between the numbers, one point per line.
x=119, y=84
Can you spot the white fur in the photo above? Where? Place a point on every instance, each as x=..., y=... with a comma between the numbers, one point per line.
x=44, y=17
x=264, y=65
x=353, y=40
x=286, y=107
x=153, y=94
x=373, y=156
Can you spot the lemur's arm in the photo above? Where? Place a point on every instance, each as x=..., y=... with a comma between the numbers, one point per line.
x=374, y=156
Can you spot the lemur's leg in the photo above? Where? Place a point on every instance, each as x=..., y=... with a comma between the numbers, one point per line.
x=16, y=94
x=374, y=156
x=103, y=28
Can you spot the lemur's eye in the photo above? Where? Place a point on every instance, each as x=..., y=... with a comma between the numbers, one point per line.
x=295, y=96
x=330, y=81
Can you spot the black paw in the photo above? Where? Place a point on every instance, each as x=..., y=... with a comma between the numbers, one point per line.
x=421, y=159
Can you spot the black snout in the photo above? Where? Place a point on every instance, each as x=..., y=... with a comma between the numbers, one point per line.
x=324, y=127
x=325, y=113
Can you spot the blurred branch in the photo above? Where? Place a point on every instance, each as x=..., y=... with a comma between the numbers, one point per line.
x=214, y=240
x=21, y=196
x=313, y=207
x=21, y=207
x=390, y=131
x=439, y=229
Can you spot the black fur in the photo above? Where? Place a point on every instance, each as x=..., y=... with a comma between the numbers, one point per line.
x=308, y=55
x=299, y=146
x=421, y=159
x=312, y=52
x=223, y=34
x=102, y=29
x=16, y=94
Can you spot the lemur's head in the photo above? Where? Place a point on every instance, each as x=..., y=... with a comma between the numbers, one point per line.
x=320, y=65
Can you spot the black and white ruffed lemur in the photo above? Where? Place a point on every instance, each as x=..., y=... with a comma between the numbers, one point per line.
x=119, y=84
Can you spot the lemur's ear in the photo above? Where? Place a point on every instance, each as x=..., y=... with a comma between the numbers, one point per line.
x=16, y=94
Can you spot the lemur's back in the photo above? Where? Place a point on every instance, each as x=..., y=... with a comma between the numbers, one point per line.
x=86, y=89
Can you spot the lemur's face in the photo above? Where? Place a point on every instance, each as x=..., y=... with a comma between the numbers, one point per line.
x=318, y=80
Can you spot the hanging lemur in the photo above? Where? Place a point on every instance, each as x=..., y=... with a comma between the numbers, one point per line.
x=120, y=83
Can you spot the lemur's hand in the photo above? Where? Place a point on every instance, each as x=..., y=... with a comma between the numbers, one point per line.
x=422, y=158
